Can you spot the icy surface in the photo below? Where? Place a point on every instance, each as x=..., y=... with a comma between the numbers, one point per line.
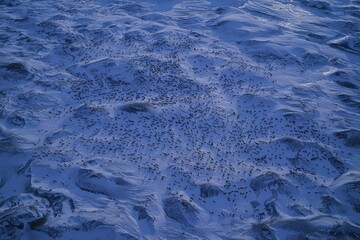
x=180, y=119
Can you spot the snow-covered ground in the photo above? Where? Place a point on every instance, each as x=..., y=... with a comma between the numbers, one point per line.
x=180, y=119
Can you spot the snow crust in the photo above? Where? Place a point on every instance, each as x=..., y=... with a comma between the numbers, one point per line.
x=179, y=119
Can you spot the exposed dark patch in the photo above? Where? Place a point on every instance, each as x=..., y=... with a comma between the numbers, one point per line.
x=11, y=3
x=56, y=200
x=336, y=163
x=180, y=209
x=270, y=180
x=316, y=36
x=20, y=210
x=87, y=111
x=313, y=59
x=142, y=213
x=209, y=190
x=349, y=101
x=330, y=205
x=263, y=231
x=116, y=82
x=121, y=181
x=2, y=182
x=294, y=143
x=271, y=209
x=52, y=232
x=10, y=142
x=91, y=225
x=2, y=112
x=87, y=181
x=17, y=120
x=136, y=107
x=17, y=67
x=219, y=10
x=351, y=137
x=321, y=5
x=38, y=222
x=133, y=8
x=347, y=84
x=25, y=167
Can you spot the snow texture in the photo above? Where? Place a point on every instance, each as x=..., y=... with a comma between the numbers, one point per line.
x=180, y=119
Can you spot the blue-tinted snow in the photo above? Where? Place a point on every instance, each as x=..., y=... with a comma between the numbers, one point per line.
x=179, y=119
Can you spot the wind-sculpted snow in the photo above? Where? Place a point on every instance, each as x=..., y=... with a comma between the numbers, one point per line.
x=179, y=119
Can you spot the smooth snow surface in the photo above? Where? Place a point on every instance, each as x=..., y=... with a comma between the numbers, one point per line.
x=180, y=119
